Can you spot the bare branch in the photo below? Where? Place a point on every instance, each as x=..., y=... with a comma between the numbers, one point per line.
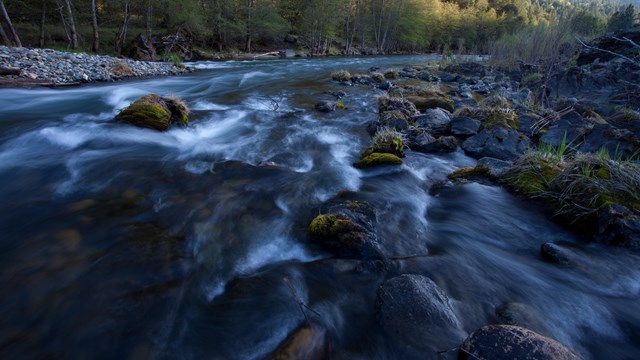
x=299, y=301
x=626, y=39
x=636, y=63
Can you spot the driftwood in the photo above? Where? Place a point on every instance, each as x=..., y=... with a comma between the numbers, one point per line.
x=273, y=53
x=634, y=62
x=9, y=71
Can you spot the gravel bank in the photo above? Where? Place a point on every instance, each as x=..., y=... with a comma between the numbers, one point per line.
x=49, y=67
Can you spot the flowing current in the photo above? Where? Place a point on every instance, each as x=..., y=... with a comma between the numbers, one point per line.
x=119, y=242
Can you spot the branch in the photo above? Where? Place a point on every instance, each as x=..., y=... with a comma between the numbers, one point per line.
x=609, y=52
x=301, y=303
x=626, y=39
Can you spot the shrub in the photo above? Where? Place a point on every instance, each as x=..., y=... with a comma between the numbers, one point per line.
x=387, y=140
x=341, y=75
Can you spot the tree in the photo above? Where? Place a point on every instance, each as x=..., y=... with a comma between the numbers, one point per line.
x=7, y=20
x=122, y=31
x=94, y=24
x=622, y=20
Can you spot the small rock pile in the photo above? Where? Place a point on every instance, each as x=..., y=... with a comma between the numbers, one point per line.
x=67, y=68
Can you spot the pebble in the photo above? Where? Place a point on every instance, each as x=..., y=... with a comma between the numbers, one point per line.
x=64, y=67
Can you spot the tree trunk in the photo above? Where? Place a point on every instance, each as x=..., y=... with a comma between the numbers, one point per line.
x=149, y=18
x=3, y=36
x=73, y=32
x=43, y=16
x=122, y=32
x=247, y=43
x=94, y=23
x=7, y=20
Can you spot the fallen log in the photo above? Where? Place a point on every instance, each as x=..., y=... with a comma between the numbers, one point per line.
x=9, y=71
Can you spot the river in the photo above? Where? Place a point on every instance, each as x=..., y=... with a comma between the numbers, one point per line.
x=118, y=242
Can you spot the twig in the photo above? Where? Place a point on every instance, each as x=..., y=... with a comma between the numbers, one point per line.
x=626, y=39
x=299, y=301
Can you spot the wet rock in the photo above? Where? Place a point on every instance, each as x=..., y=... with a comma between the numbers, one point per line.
x=617, y=142
x=347, y=229
x=467, y=69
x=464, y=126
x=326, y=106
x=377, y=159
x=388, y=103
x=428, y=144
x=432, y=101
x=497, y=168
x=155, y=112
x=571, y=126
x=619, y=226
x=512, y=342
x=415, y=312
x=306, y=342
x=436, y=121
x=395, y=119
x=501, y=143
x=522, y=315
x=555, y=253
x=385, y=85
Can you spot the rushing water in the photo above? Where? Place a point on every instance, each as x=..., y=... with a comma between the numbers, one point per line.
x=120, y=242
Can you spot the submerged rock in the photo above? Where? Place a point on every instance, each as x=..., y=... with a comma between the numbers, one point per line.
x=155, y=112
x=512, y=342
x=415, y=312
x=326, y=106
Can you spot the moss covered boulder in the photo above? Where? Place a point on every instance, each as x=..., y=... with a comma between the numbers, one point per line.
x=347, y=229
x=155, y=112
x=432, y=101
x=377, y=159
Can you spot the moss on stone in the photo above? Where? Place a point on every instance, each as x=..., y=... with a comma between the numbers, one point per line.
x=146, y=115
x=334, y=227
x=341, y=75
x=431, y=102
x=470, y=172
x=501, y=117
x=378, y=159
x=534, y=179
x=377, y=77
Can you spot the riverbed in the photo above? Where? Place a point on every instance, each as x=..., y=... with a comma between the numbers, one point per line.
x=119, y=242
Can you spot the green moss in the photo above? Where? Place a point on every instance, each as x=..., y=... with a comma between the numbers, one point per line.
x=146, y=115
x=469, y=172
x=340, y=104
x=603, y=173
x=391, y=74
x=332, y=227
x=378, y=159
x=534, y=180
x=341, y=75
x=502, y=117
x=432, y=102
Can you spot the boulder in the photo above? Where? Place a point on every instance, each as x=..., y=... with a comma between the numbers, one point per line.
x=436, y=121
x=431, y=102
x=415, y=312
x=496, y=167
x=428, y=144
x=395, y=120
x=155, y=112
x=501, y=143
x=326, y=106
x=520, y=314
x=385, y=85
x=464, y=126
x=347, y=229
x=619, y=226
x=617, y=142
x=570, y=127
x=467, y=69
x=377, y=159
x=512, y=342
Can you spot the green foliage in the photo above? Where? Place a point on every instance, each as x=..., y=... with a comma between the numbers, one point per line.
x=173, y=58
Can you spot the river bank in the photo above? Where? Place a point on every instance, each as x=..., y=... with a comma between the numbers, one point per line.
x=28, y=67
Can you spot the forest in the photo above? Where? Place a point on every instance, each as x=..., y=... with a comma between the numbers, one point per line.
x=311, y=27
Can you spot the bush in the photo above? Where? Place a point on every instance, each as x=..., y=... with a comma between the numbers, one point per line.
x=387, y=140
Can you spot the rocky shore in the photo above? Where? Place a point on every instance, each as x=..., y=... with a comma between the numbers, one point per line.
x=47, y=67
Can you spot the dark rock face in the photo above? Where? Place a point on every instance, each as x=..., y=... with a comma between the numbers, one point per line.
x=572, y=126
x=617, y=142
x=497, y=168
x=326, y=106
x=413, y=309
x=512, y=342
x=619, y=226
x=464, y=126
x=436, y=121
x=347, y=229
x=501, y=143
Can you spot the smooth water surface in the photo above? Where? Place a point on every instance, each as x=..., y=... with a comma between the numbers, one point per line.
x=120, y=242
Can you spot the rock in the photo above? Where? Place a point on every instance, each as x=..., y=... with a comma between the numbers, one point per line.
x=519, y=314
x=378, y=159
x=347, y=229
x=501, y=143
x=497, y=168
x=617, y=142
x=619, y=226
x=432, y=100
x=512, y=342
x=464, y=126
x=306, y=342
x=436, y=121
x=467, y=69
x=428, y=144
x=555, y=253
x=570, y=127
x=385, y=85
x=388, y=103
x=395, y=120
x=155, y=112
x=326, y=106
x=415, y=312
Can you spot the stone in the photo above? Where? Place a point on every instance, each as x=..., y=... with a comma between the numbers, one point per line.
x=326, y=106
x=501, y=143
x=617, y=142
x=306, y=342
x=155, y=112
x=385, y=85
x=555, y=253
x=436, y=121
x=619, y=226
x=570, y=127
x=428, y=144
x=465, y=126
x=512, y=342
x=415, y=312
x=497, y=168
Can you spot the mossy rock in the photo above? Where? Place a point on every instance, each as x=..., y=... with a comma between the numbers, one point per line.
x=431, y=102
x=377, y=159
x=341, y=75
x=470, y=173
x=501, y=117
x=535, y=179
x=155, y=112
